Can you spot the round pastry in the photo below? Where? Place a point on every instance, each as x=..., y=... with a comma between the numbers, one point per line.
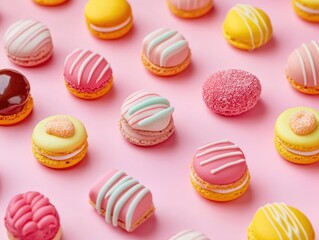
x=247, y=27
x=87, y=74
x=165, y=52
x=302, y=70
x=219, y=171
x=59, y=141
x=146, y=119
x=122, y=200
x=28, y=43
x=31, y=216
x=279, y=221
x=189, y=235
x=108, y=19
x=231, y=92
x=190, y=8
x=49, y=2
x=307, y=9
x=16, y=102
x=297, y=135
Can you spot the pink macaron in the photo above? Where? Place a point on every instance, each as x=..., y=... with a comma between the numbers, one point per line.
x=231, y=92
x=87, y=74
x=28, y=43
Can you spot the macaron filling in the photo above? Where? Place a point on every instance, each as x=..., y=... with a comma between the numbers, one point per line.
x=111, y=29
x=306, y=9
x=301, y=153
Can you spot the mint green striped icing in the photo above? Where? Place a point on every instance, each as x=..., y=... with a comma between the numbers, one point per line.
x=159, y=39
x=157, y=116
x=148, y=102
x=173, y=48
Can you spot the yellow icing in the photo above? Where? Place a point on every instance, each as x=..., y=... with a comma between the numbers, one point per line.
x=54, y=144
x=286, y=134
x=238, y=33
x=262, y=228
x=107, y=13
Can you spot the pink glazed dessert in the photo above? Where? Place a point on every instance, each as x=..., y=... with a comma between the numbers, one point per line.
x=87, y=74
x=302, y=70
x=122, y=200
x=190, y=8
x=31, y=216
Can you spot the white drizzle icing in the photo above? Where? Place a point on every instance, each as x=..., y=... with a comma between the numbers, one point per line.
x=303, y=68
x=189, y=235
x=312, y=63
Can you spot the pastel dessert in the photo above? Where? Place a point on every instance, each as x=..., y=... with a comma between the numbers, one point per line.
x=108, y=19
x=31, y=216
x=16, y=102
x=231, y=92
x=190, y=8
x=297, y=135
x=28, y=43
x=49, y=2
x=59, y=141
x=302, y=70
x=189, y=235
x=247, y=27
x=307, y=9
x=219, y=171
x=122, y=200
x=279, y=221
x=146, y=119
x=165, y=52
x=87, y=74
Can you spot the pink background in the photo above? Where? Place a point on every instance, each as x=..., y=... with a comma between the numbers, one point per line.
x=163, y=168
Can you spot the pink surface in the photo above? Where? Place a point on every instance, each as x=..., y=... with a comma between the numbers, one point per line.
x=164, y=168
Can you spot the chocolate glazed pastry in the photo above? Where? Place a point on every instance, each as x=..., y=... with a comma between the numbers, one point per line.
x=15, y=100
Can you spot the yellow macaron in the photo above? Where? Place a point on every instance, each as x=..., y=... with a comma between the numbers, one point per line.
x=307, y=9
x=297, y=135
x=108, y=19
x=279, y=221
x=49, y=2
x=59, y=141
x=247, y=27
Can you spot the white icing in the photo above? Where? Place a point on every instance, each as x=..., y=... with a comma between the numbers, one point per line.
x=189, y=235
x=317, y=49
x=77, y=60
x=213, y=143
x=64, y=157
x=111, y=29
x=222, y=191
x=226, y=165
x=301, y=153
x=220, y=157
x=215, y=149
x=282, y=218
x=84, y=64
x=96, y=64
x=312, y=63
x=306, y=9
x=303, y=68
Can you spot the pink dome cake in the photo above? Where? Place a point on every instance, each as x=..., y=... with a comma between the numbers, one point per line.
x=219, y=171
x=190, y=8
x=302, y=70
x=31, y=216
x=189, y=235
x=28, y=43
x=87, y=74
x=122, y=200
x=165, y=52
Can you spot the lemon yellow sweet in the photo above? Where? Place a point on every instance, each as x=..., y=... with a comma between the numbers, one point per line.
x=307, y=9
x=247, y=27
x=49, y=2
x=108, y=19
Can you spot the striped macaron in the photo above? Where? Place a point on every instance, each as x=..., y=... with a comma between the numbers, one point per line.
x=189, y=235
x=28, y=43
x=302, y=68
x=87, y=74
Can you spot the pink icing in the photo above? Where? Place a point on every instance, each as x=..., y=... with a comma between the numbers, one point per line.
x=159, y=54
x=226, y=169
x=30, y=216
x=86, y=70
x=303, y=65
x=144, y=205
x=189, y=5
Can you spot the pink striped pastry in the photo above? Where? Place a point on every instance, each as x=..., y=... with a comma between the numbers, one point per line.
x=146, y=119
x=165, y=52
x=31, y=216
x=87, y=74
x=219, y=171
x=189, y=235
x=28, y=43
x=302, y=68
x=190, y=8
x=122, y=200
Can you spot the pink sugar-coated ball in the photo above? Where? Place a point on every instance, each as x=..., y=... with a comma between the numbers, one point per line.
x=231, y=92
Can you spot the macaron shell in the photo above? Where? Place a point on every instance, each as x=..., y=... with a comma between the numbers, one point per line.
x=307, y=9
x=189, y=11
x=53, y=144
x=49, y=2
